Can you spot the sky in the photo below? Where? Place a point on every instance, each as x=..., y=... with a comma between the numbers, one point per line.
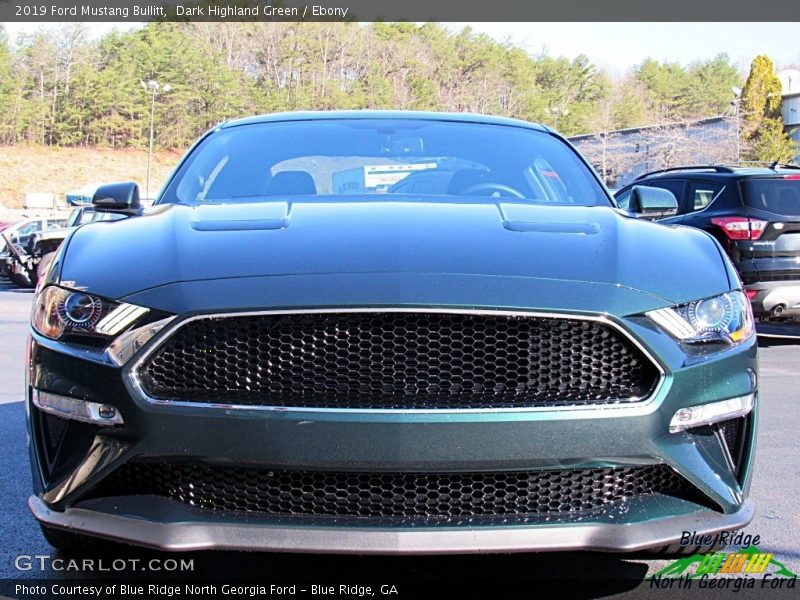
x=617, y=47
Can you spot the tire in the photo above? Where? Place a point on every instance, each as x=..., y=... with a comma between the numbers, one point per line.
x=20, y=280
x=43, y=264
x=75, y=543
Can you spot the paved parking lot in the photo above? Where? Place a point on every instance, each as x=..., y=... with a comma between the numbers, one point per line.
x=775, y=489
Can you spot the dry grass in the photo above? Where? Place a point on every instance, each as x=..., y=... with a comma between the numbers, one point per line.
x=26, y=169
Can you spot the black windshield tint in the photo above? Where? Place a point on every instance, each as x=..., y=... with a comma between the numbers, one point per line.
x=775, y=195
x=334, y=158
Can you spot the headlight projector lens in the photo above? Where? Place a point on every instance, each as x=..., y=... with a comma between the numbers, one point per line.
x=713, y=314
x=81, y=310
x=726, y=318
x=58, y=312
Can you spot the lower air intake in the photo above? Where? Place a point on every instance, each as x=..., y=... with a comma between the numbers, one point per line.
x=394, y=495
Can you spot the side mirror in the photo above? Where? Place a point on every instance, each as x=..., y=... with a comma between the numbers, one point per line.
x=652, y=203
x=117, y=197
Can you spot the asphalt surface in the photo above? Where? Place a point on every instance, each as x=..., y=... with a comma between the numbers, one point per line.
x=775, y=489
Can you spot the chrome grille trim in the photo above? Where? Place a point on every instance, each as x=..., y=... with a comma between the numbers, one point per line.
x=132, y=374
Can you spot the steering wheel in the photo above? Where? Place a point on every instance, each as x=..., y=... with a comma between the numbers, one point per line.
x=490, y=186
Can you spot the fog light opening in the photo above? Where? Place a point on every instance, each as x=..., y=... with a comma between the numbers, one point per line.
x=706, y=414
x=76, y=409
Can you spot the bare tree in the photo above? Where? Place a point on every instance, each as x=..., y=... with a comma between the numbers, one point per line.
x=700, y=142
x=618, y=155
x=611, y=154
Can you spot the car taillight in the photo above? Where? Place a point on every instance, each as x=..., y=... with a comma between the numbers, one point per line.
x=791, y=177
x=741, y=228
x=751, y=294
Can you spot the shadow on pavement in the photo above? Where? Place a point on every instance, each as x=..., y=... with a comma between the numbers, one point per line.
x=7, y=285
x=573, y=574
x=778, y=333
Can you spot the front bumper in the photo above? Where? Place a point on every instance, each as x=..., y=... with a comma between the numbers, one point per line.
x=403, y=441
x=778, y=299
x=185, y=532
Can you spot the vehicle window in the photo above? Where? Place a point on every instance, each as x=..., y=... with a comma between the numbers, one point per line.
x=359, y=157
x=776, y=195
x=72, y=219
x=423, y=182
x=106, y=216
x=624, y=198
x=702, y=194
x=676, y=186
x=87, y=216
x=29, y=228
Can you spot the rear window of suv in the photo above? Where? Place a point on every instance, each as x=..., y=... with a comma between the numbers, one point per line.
x=776, y=195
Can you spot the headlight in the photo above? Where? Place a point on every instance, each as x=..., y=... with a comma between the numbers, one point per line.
x=724, y=318
x=59, y=312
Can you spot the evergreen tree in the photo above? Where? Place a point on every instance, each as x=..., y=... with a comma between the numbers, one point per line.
x=58, y=87
x=763, y=136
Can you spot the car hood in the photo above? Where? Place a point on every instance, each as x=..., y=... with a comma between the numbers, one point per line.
x=317, y=253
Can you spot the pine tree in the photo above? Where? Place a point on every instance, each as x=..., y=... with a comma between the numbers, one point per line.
x=763, y=136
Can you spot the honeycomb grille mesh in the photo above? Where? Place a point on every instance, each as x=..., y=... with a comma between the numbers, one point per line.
x=393, y=495
x=732, y=429
x=399, y=361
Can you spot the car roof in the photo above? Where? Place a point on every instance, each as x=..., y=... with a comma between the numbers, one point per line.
x=31, y=220
x=383, y=114
x=701, y=172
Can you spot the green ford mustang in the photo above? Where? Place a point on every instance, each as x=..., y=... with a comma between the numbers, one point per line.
x=387, y=332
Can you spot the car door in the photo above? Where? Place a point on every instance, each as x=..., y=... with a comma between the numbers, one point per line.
x=57, y=223
x=701, y=203
x=677, y=187
x=26, y=231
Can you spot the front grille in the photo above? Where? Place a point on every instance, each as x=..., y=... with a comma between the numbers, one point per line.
x=422, y=496
x=61, y=442
x=731, y=431
x=398, y=360
x=735, y=431
x=734, y=438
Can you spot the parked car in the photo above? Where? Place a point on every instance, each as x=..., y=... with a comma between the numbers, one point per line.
x=42, y=246
x=261, y=363
x=18, y=235
x=82, y=196
x=16, y=271
x=754, y=213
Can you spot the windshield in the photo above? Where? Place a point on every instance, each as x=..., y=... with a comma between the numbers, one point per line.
x=779, y=196
x=391, y=157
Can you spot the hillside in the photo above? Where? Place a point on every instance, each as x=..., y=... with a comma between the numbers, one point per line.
x=60, y=170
